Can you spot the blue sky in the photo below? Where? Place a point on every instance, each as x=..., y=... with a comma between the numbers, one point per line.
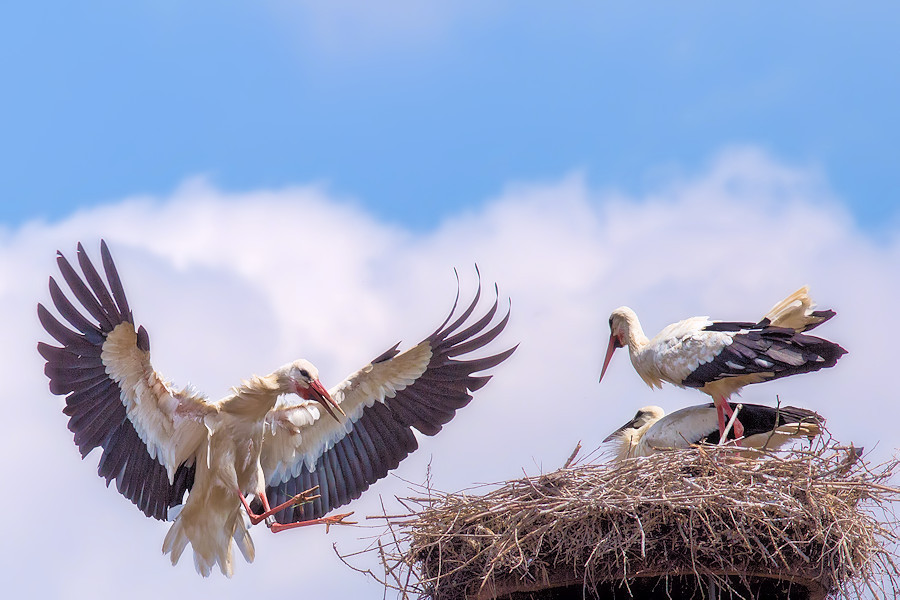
x=415, y=110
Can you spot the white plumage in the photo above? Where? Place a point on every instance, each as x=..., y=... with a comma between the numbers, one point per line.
x=721, y=357
x=765, y=428
x=269, y=439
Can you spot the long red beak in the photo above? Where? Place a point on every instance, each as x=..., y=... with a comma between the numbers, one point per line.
x=321, y=395
x=613, y=344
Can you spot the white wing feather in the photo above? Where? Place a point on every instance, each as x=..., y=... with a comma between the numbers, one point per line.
x=299, y=434
x=168, y=421
x=677, y=351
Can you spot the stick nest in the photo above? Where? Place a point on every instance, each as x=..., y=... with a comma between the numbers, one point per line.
x=822, y=515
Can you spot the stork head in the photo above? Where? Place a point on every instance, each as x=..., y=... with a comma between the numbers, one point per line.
x=643, y=418
x=302, y=378
x=620, y=323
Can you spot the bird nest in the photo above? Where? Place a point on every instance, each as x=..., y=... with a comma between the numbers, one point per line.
x=820, y=519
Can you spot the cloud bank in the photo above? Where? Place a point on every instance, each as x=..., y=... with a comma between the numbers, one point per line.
x=230, y=284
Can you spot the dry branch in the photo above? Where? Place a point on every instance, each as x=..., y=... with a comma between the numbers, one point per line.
x=802, y=515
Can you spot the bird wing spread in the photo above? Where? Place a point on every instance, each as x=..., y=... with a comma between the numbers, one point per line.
x=419, y=388
x=149, y=431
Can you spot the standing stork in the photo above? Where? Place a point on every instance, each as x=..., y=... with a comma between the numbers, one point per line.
x=765, y=428
x=160, y=442
x=721, y=357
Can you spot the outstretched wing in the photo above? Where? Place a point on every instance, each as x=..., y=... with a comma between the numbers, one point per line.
x=419, y=388
x=149, y=432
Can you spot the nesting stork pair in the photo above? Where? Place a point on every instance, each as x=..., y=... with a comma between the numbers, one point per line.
x=721, y=357
x=299, y=449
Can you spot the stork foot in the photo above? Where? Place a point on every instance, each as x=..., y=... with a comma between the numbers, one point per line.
x=301, y=498
x=297, y=500
x=327, y=521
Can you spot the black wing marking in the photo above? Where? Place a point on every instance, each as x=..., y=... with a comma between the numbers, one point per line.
x=96, y=413
x=383, y=436
x=758, y=418
x=772, y=352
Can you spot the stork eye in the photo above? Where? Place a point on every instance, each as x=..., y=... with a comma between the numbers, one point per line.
x=304, y=373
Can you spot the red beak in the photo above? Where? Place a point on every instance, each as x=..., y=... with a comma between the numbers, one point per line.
x=321, y=395
x=613, y=344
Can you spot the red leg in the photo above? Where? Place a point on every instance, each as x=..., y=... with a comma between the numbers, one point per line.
x=738, y=428
x=254, y=518
x=300, y=498
x=326, y=521
x=721, y=414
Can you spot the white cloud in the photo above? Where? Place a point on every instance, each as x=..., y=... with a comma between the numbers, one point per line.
x=231, y=284
x=350, y=29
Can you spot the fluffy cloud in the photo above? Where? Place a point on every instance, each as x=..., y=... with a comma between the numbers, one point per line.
x=350, y=29
x=231, y=284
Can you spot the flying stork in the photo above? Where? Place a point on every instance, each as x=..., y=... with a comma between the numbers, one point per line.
x=281, y=435
x=765, y=428
x=721, y=357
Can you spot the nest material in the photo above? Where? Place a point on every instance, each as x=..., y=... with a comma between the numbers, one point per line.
x=820, y=517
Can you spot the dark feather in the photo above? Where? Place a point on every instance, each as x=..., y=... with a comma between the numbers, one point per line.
x=97, y=416
x=731, y=325
x=383, y=436
x=393, y=442
x=482, y=340
x=772, y=352
x=64, y=380
x=760, y=419
x=473, y=329
x=387, y=354
x=83, y=294
x=71, y=314
x=115, y=284
x=71, y=341
x=98, y=286
x=363, y=459
x=338, y=483
x=824, y=315
x=368, y=451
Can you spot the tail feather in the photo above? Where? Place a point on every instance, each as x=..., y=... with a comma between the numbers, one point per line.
x=176, y=541
x=781, y=435
x=210, y=526
x=204, y=565
x=796, y=312
x=243, y=540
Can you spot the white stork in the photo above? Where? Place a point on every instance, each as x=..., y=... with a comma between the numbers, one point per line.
x=765, y=428
x=721, y=357
x=160, y=442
